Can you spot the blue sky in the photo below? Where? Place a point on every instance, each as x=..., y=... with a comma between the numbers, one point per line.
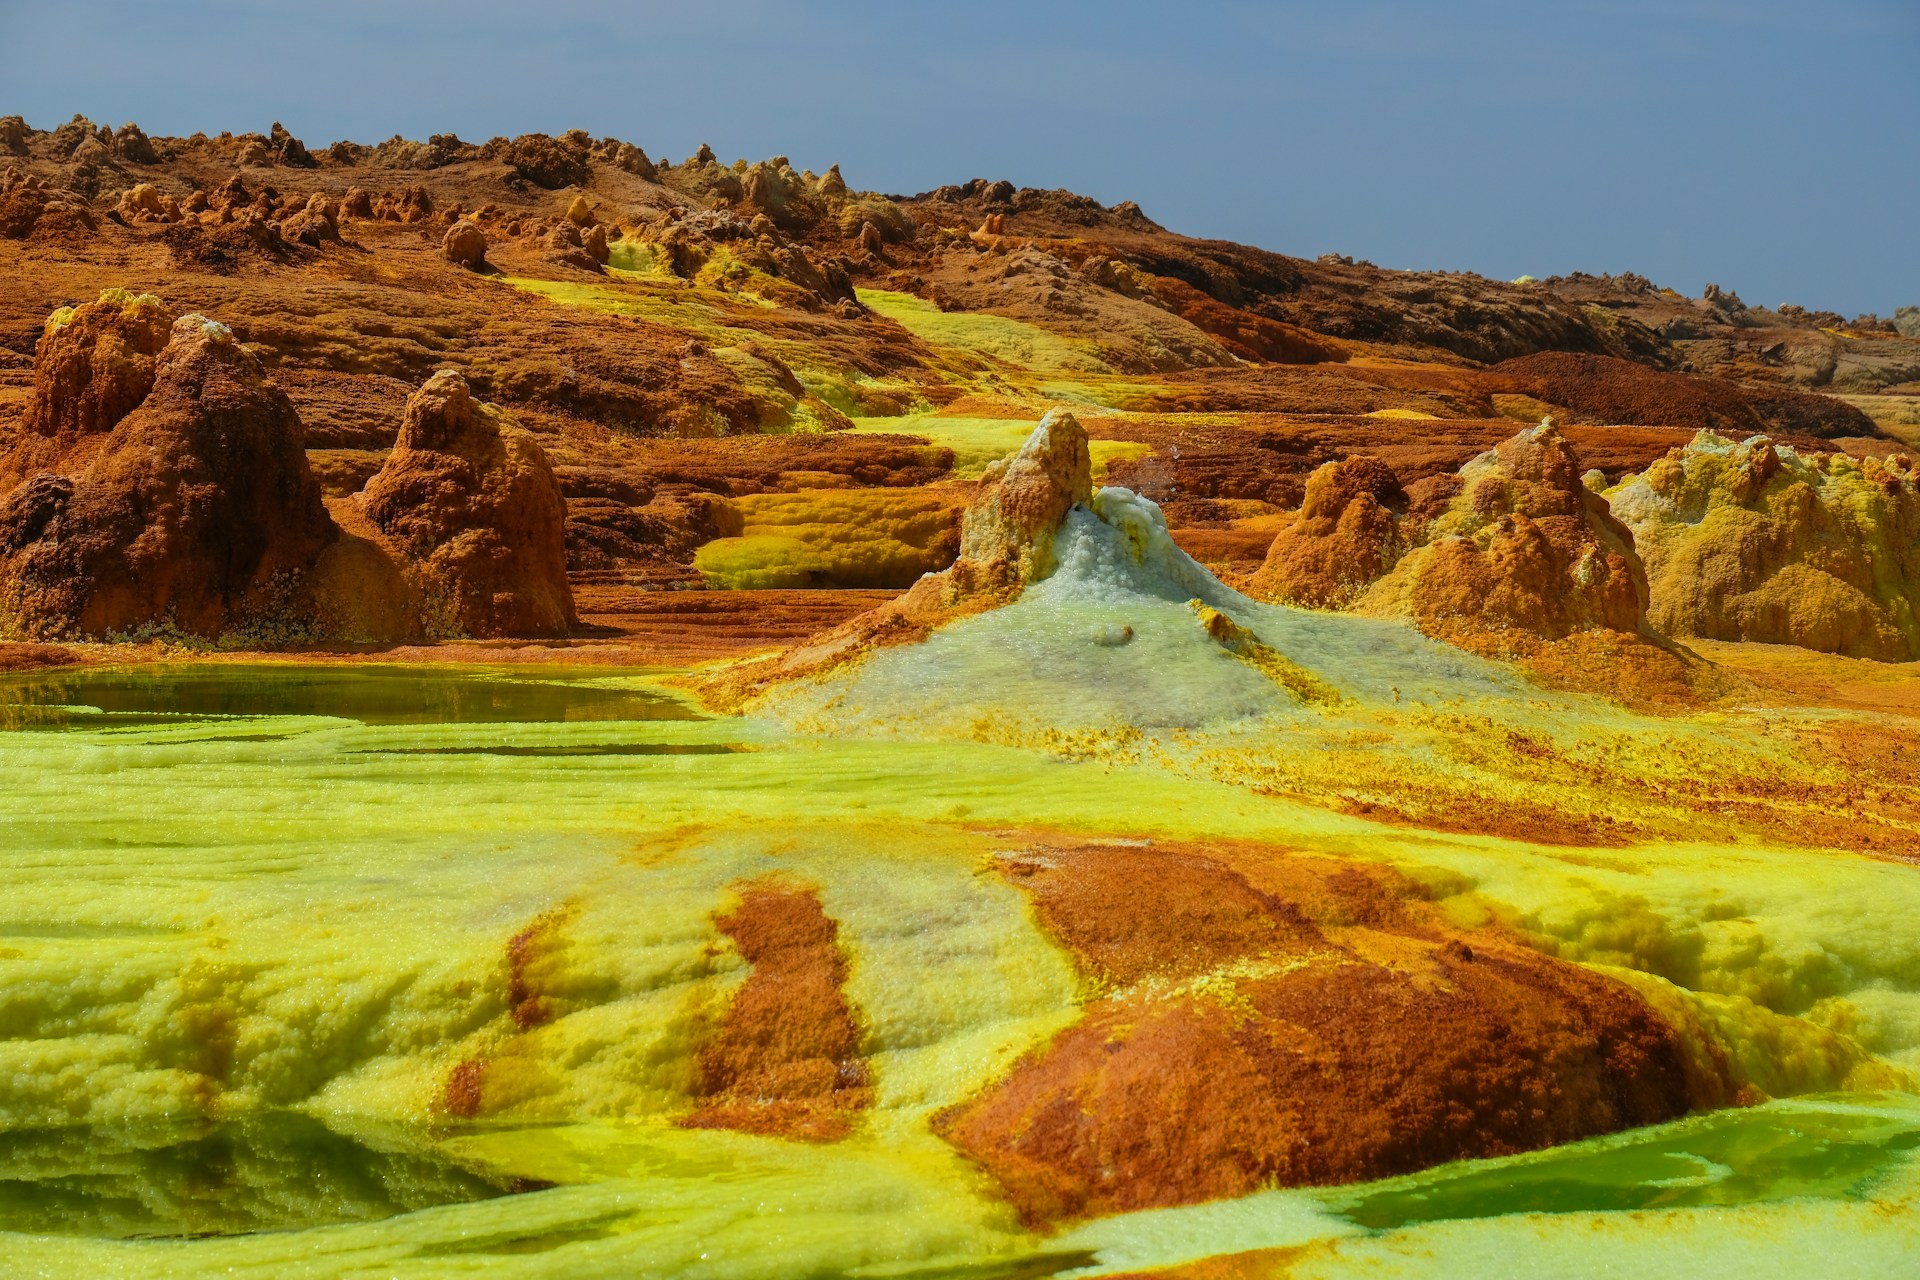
x=1770, y=146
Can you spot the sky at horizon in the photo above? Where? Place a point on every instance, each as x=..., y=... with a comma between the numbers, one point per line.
x=1770, y=146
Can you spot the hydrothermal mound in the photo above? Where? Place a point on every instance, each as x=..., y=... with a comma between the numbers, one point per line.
x=1074, y=915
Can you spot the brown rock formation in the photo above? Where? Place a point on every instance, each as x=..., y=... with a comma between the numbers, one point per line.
x=29, y=209
x=130, y=143
x=313, y=224
x=1522, y=552
x=197, y=512
x=1751, y=541
x=1346, y=535
x=631, y=159
x=94, y=365
x=1008, y=532
x=565, y=246
x=1512, y=551
x=547, y=162
x=472, y=502
x=465, y=244
x=144, y=203
x=594, y=241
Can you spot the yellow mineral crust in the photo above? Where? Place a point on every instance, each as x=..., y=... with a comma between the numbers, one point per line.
x=1073, y=830
x=1753, y=541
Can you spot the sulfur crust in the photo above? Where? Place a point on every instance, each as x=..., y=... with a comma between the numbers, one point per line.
x=182, y=942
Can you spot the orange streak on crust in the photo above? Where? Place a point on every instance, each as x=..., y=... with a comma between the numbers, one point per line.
x=524, y=951
x=786, y=1057
x=1126, y=914
x=1338, y=1032
x=1257, y=1264
x=464, y=1089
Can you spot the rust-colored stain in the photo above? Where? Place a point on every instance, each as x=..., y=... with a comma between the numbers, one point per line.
x=524, y=952
x=464, y=1089
x=1257, y=1264
x=785, y=1058
x=1306, y=1022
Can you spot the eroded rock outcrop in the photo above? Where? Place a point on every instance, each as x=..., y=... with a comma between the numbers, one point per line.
x=472, y=502
x=1524, y=551
x=1512, y=551
x=547, y=162
x=94, y=365
x=1345, y=536
x=145, y=203
x=131, y=143
x=197, y=512
x=1006, y=544
x=1008, y=532
x=1753, y=541
x=30, y=209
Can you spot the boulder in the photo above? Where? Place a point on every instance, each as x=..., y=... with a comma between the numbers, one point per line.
x=196, y=514
x=13, y=136
x=1906, y=322
x=471, y=501
x=465, y=245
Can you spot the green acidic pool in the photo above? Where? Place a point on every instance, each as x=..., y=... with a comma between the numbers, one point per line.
x=106, y=697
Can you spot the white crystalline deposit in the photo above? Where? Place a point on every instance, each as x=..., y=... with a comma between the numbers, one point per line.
x=1110, y=639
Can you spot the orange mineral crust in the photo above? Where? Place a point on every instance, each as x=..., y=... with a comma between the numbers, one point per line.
x=1281, y=1026
x=786, y=1057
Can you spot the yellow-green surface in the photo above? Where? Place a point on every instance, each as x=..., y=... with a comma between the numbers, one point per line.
x=294, y=925
x=259, y=917
x=700, y=309
x=978, y=441
x=852, y=538
x=999, y=340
